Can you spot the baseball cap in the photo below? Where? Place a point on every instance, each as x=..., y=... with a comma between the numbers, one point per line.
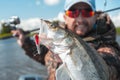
x=70, y=3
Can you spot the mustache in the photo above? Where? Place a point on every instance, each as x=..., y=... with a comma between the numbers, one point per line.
x=81, y=25
x=84, y=23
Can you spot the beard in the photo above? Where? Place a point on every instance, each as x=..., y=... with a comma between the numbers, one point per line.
x=81, y=29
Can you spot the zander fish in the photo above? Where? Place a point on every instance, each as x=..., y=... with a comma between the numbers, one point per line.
x=80, y=61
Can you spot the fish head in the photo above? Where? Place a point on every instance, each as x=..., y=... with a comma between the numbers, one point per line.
x=50, y=32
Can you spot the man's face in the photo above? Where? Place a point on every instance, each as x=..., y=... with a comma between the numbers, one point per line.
x=81, y=22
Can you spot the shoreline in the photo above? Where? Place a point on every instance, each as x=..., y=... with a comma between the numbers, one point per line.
x=3, y=38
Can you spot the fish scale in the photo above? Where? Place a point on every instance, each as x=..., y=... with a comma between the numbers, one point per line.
x=80, y=61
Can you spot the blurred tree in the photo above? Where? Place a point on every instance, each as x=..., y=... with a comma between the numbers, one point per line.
x=5, y=28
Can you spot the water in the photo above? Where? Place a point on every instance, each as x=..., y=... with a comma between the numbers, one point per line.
x=14, y=63
x=118, y=39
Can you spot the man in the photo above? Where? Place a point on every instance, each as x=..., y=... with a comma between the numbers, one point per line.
x=94, y=27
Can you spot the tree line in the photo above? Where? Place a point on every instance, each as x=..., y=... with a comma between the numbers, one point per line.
x=5, y=29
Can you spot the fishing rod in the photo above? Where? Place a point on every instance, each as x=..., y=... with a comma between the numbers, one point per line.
x=30, y=31
x=14, y=20
x=103, y=12
x=12, y=23
x=112, y=9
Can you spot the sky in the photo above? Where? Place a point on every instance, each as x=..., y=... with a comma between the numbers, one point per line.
x=30, y=11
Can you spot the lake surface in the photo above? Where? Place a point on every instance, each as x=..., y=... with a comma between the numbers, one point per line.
x=14, y=63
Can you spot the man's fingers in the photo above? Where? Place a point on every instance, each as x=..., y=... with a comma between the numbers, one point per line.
x=19, y=35
x=15, y=33
x=106, y=50
x=102, y=15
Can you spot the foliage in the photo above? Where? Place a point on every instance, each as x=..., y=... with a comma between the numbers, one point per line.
x=118, y=30
x=5, y=35
x=5, y=29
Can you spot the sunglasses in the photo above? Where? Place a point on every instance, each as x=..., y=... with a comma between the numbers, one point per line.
x=84, y=12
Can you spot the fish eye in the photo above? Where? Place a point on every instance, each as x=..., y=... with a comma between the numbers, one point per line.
x=54, y=24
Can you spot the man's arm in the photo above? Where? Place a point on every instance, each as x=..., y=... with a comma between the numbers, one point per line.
x=29, y=46
x=31, y=50
x=106, y=30
x=108, y=47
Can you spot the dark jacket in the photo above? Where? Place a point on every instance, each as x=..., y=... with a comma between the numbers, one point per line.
x=104, y=35
x=100, y=36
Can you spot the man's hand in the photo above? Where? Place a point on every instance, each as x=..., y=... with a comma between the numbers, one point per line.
x=102, y=15
x=107, y=50
x=20, y=36
x=103, y=23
